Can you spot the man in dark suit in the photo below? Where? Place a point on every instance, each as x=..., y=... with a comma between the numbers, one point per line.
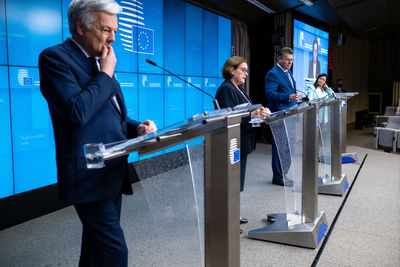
x=280, y=90
x=339, y=86
x=86, y=106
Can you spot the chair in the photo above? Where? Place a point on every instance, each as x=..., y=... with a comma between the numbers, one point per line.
x=387, y=137
x=381, y=120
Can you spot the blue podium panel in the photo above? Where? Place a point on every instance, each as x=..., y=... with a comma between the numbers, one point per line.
x=3, y=40
x=32, y=132
x=150, y=35
x=210, y=86
x=64, y=12
x=129, y=87
x=210, y=44
x=174, y=40
x=6, y=175
x=194, y=98
x=193, y=40
x=31, y=27
x=224, y=42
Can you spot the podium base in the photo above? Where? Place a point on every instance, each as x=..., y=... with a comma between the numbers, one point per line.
x=350, y=157
x=306, y=235
x=334, y=187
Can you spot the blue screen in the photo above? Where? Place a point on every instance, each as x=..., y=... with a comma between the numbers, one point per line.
x=151, y=98
x=194, y=98
x=65, y=26
x=174, y=42
x=210, y=44
x=193, y=40
x=224, y=42
x=150, y=36
x=305, y=63
x=31, y=27
x=129, y=87
x=210, y=86
x=32, y=132
x=189, y=41
x=6, y=177
x=3, y=41
x=174, y=100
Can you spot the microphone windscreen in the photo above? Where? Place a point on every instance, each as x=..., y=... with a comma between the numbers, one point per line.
x=151, y=62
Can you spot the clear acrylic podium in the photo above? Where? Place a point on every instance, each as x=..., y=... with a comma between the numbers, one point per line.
x=221, y=131
x=347, y=157
x=331, y=180
x=296, y=135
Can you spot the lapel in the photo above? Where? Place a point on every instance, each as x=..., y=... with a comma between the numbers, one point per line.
x=286, y=78
x=78, y=56
x=90, y=67
x=121, y=108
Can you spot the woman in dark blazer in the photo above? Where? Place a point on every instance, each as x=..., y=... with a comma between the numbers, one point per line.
x=230, y=94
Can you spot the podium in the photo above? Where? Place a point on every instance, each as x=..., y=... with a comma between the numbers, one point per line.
x=347, y=157
x=221, y=131
x=331, y=181
x=296, y=135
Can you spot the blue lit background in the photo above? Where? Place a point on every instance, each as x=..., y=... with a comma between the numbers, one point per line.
x=183, y=38
x=303, y=39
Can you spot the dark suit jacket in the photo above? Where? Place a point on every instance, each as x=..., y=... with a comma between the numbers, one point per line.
x=278, y=88
x=82, y=112
x=310, y=69
x=228, y=97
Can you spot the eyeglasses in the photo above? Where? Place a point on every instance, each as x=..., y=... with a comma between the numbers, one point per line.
x=244, y=70
x=288, y=59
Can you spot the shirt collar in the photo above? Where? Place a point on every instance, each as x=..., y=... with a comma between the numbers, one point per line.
x=82, y=49
x=281, y=68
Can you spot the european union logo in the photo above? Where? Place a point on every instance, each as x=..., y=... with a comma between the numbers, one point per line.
x=143, y=40
x=28, y=81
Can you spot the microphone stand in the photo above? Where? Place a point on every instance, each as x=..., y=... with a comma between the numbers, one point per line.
x=216, y=105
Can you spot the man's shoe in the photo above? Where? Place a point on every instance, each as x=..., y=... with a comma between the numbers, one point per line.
x=278, y=182
x=281, y=183
x=241, y=231
x=243, y=220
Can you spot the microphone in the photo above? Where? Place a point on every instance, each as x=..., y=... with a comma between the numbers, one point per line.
x=216, y=105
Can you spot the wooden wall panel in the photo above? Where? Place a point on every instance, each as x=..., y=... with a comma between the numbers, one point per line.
x=351, y=63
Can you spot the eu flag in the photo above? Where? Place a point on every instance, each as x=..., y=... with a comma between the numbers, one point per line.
x=143, y=40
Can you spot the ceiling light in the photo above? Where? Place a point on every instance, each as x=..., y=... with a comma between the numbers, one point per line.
x=261, y=6
x=308, y=2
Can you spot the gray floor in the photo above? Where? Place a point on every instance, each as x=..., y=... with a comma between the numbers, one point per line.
x=162, y=228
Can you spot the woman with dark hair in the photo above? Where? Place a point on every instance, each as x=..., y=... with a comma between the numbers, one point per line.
x=319, y=89
x=314, y=67
x=231, y=94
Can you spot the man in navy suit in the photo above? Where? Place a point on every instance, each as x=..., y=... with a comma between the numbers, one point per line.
x=280, y=90
x=86, y=106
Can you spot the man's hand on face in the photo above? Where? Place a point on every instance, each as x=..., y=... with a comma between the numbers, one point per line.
x=108, y=60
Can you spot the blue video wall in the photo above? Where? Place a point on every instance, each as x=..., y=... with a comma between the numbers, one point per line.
x=310, y=46
x=185, y=39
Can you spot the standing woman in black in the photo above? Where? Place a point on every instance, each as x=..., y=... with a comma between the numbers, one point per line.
x=230, y=94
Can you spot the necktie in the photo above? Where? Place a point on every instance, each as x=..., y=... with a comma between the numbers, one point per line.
x=290, y=79
x=94, y=65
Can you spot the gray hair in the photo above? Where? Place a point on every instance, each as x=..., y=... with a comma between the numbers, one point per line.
x=285, y=50
x=84, y=9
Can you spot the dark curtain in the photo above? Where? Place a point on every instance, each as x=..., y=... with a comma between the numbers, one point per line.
x=384, y=68
x=242, y=47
